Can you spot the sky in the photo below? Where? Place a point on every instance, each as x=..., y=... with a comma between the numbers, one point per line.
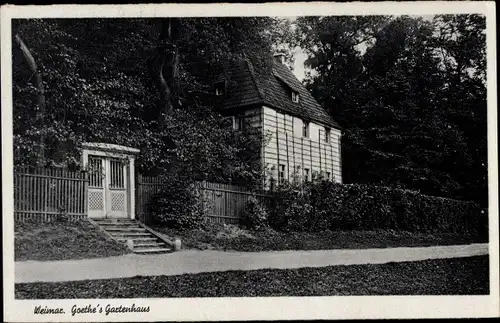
x=300, y=57
x=298, y=68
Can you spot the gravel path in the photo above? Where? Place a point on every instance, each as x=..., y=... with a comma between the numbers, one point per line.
x=193, y=261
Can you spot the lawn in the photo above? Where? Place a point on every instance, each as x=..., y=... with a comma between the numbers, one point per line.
x=230, y=237
x=59, y=240
x=459, y=276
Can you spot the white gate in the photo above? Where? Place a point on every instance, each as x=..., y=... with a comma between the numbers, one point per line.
x=111, y=180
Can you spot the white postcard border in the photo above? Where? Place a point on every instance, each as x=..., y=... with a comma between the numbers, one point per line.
x=261, y=308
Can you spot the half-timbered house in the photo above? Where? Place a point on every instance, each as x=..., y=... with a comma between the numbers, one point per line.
x=304, y=142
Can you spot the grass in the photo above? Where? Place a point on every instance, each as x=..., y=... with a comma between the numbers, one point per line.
x=59, y=240
x=230, y=237
x=459, y=276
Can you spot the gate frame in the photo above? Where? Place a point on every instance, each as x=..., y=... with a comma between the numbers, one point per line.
x=115, y=151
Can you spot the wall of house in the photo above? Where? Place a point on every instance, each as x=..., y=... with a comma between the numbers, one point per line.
x=286, y=146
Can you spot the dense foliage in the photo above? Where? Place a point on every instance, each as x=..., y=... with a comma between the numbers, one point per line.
x=324, y=205
x=99, y=83
x=410, y=94
x=256, y=215
x=178, y=204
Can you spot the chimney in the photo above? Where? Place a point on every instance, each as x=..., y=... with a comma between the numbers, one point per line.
x=279, y=57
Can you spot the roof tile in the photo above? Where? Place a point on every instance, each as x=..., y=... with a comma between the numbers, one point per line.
x=249, y=85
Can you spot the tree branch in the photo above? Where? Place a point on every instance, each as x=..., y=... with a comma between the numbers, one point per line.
x=41, y=105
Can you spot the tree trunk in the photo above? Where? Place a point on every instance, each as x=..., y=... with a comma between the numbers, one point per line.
x=165, y=73
x=41, y=105
x=166, y=67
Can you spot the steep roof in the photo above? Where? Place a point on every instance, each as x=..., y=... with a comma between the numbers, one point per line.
x=272, y=86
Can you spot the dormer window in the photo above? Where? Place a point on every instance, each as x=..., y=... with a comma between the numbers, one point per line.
x=220, y=88
x=295, y=97
x=238, y=123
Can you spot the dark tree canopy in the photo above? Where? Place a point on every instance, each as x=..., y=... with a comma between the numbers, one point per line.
x=410, y=93
x=102, y=80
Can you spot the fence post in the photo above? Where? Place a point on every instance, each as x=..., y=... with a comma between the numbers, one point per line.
x=86, y=193
x=138, y=198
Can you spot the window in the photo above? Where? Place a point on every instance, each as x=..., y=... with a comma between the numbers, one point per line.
x=96, y=171
x=281, y=174
x=327, y=134
x=238, y=123
x=295, y=97
x=305, y=129
x=306, y=174
x=116, y=174
x=328, y=175
x=220, y=88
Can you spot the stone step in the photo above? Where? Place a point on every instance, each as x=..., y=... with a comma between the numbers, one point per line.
x=123, y=230
x=114, y=219
x=131, y=229
x=137, y=239
x=151, y=250
x=107, y=222
x=118, y=224
x=130, y=234
x=148, y=244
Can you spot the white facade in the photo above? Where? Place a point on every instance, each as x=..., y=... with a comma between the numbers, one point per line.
x=296, y=150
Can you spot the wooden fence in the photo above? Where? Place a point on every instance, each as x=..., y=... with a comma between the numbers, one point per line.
x=145, y=188
x=224, y=203
x=47, y=193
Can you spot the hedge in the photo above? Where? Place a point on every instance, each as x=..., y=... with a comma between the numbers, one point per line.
x=178, y=204
x=332, y=206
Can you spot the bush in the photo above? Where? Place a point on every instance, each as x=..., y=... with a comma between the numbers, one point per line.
x=291, y=209
x=178, y=205
x=256, y=215
x=298, y=216
x=330, y=206
x=283, y=197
